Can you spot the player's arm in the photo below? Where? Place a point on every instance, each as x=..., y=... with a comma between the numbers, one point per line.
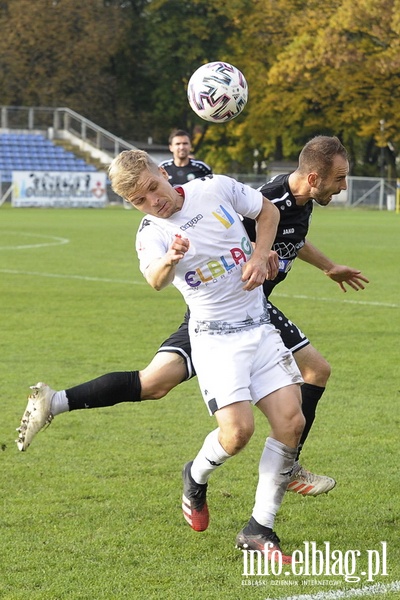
x=340, y=273
x=161, y=271
x=258, y=268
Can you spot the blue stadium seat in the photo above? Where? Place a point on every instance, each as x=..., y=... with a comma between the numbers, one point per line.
x=20, y=151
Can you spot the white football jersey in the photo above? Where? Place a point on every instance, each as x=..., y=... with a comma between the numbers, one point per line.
x=209, y=275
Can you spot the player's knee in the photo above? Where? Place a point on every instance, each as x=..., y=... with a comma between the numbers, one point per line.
x=298, y=424
x=155, y=393
x=154, y=388
x=236, y=436
x=316, y=371
x=289, y=429
x=165, y=372
x=326, y=370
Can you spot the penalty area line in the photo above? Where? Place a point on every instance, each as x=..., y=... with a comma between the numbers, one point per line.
x=363, y=592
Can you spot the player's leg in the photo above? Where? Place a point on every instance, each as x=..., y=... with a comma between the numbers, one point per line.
x=170, y=366
x=315, y=371
x=278, y=384
x=235, y=428
x=166, y=370
x=223, y=365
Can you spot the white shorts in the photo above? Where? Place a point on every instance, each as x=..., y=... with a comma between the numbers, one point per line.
x=243, y=365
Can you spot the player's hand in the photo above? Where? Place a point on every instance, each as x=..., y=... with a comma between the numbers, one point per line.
x=254, y=274
x=272, y=265
x=352, y=277
x=177, y=249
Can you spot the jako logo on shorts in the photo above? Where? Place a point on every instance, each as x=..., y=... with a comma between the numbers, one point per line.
x=219, y=267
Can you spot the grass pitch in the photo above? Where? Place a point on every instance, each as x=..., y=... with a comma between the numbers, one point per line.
x=92, y=509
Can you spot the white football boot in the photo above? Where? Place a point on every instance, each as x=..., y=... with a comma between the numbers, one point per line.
x=308, y=484
x=36, y=416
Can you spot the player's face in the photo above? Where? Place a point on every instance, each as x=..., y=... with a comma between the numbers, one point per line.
x=326, y=187
x=180, y=147
x=155, y=196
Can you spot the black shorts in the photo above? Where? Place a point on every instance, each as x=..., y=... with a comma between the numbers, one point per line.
x=292, y=336
x=179, y=342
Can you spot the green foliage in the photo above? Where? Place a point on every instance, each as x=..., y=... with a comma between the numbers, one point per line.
x=92, y=509
x=59, y=53
x=343, y=76
x=330, y=66
x=180, y=37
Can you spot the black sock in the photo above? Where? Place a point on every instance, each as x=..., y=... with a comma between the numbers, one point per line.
x=253, y=527
x=106, y=390
x=310, y=395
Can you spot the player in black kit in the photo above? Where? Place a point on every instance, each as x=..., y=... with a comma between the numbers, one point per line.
x=322, y=171
x=181, y=168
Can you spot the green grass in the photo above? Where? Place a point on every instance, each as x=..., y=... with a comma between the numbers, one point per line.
x=92, y=509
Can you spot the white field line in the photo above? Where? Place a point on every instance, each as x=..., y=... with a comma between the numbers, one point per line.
x=363, y=592
x=60, y=241
x=132, y=282
x=80, y=277
x=57, y=241
x=341, y=300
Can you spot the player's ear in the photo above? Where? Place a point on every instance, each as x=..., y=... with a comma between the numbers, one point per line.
x=312, y=179
x=163, y=172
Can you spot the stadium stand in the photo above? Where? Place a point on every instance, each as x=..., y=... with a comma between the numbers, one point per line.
x=26, y=151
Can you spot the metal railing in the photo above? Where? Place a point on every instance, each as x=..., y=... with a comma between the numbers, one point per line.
x=64, y=123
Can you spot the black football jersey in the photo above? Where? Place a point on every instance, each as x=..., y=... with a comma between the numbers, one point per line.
x=179, y=175
x=292, y=228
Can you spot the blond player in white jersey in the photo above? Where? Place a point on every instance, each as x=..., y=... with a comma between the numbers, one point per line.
x=192, y=237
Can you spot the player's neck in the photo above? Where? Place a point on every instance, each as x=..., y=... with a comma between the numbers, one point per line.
x=181, y=162
x=299, y=188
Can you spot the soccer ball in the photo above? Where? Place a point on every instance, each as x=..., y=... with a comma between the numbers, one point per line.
x=217, y=92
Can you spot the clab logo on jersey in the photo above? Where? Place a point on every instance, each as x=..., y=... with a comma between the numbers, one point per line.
x=223, y=217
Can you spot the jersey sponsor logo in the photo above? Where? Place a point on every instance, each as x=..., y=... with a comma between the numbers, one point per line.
x=223, y=217
x=221, y=266
x=192, y=222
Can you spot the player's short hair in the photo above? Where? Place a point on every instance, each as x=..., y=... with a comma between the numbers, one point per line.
x=318, y=154
x=178, y=133
x=126, y=168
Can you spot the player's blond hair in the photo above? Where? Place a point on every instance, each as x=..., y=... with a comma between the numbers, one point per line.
x=126, y=168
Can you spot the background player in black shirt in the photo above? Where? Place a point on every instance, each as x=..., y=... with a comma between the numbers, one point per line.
x=181, y=168
x=323, y=167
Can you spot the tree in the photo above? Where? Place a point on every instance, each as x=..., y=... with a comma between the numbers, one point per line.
x=344, y=77
x=126, y=63
x=180, y=36
x=58, y=53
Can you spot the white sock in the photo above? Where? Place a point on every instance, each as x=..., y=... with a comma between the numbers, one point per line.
x=275, y=468
x=211, y=456
x=59, y=403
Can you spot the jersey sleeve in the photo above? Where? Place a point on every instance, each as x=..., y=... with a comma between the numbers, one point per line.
x=245, y=200
x=152, y=242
